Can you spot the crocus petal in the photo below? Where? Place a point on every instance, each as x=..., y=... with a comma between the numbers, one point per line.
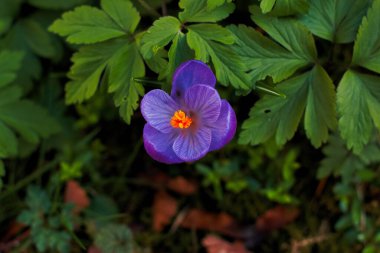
x=191, y=73
x=223, y=130
x=192, y=145
x=204, y=102
x=157, y=107
x=160, y=145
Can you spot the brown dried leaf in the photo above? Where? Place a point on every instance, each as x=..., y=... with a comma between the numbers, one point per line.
x=164, y=208
x=276, y=218
x=75, y=194
x=182, y=186
x=214, y=244
x=221, y=222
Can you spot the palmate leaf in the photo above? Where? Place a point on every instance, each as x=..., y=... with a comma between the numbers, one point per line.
x=310, y=94
x=367, y=43
x=289, y=33
x=358, y=99
x=123, y=62
x=86, y=24
x=335, y=20
x=202, y=11
x=263, y=57
x=159, y=35
x=229, y=66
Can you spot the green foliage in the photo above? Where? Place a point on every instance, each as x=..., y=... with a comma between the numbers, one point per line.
x=115, y=238
x=159, y=35
x=87, y=25
x=119, y=59
x=204, y=11
x=30, y=121
x=366, y=49
x=284, y=7
x=228, y=65
x=46, y=228
x=289, y=33
x=358, y=104
x=267, y=5
x=337, y=21
x=278, y=117
x=8, y=9
x=264, y=57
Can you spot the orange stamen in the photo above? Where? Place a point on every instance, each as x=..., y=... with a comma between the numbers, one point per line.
x=180, y=120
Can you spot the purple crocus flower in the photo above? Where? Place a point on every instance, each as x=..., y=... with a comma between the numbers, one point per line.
x=190, y=122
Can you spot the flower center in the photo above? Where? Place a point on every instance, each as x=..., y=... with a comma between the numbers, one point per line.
x=180, y=120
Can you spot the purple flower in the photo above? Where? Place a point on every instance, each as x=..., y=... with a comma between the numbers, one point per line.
x=190, y=122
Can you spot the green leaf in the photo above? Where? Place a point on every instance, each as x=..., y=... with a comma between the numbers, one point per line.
x=179, y=52
x=366, y=48
x=158, y=63
x=10, y=62
x=38, y=39
x=335, y=20
x=31, y=121
x=123, y=62
x=8, y=9
x=320, y=113
x=88, y=65
x=290, y=7
x=123, y=67
x=16, y=40
x=115, y=238
x=338, y=159
x=229, y=66
x=86, y=24
x=279, y=117
x=37, y=199
x=267, y=5
x=56, y=5
x=123, y=13
x=212, y=4
x=8, y=142
x=289, y=33
x=159, y=35
x=359, y=106
x=263, y=57
x=200, y=11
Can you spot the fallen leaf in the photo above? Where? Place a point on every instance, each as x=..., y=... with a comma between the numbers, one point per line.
x=75, y=194
x=214, y=244
x=182, y=186
x=220, y=222
x=93, y=249
x=164, y=208
x=276, y=218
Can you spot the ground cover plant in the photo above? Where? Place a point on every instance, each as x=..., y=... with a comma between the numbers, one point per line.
x=189, y=126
